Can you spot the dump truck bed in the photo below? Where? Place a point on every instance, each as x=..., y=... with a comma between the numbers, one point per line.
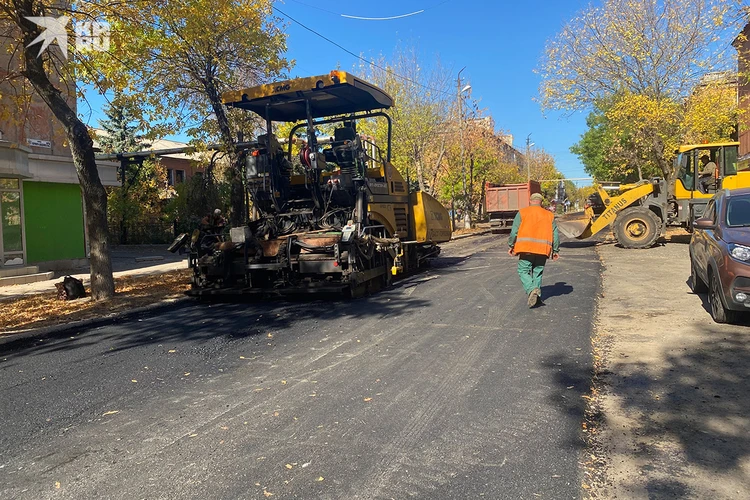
x=503, y=201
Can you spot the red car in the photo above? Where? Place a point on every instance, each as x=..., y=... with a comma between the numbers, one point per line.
x=720, y=254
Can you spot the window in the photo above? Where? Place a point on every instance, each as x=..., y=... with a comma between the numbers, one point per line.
x=9, y=184
x=730, y=160
x=170, y=177
x=685, y=170
x=179, y=176
x=738, y=211
x=710, y=212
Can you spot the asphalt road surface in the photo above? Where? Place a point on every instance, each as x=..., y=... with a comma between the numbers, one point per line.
x=444, y=386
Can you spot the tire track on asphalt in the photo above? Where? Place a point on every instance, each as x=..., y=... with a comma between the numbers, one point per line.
x=431, y=404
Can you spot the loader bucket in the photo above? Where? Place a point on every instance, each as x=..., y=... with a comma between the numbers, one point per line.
x=575, y=228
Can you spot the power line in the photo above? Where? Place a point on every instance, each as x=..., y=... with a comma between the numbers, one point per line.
x=390, y=18
x=391, y=72
x=365, y=18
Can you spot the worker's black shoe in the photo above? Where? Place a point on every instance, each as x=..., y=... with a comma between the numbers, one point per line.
x=533, y=296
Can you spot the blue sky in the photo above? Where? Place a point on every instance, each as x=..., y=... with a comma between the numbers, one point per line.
x=499, y=41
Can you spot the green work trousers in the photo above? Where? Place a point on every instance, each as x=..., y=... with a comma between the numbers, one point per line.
x=530, y=269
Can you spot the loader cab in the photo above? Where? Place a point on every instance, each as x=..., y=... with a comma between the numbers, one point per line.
x=689, y=166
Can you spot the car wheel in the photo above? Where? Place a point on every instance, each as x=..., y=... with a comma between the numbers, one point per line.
x=696, y=283
x=719, y=313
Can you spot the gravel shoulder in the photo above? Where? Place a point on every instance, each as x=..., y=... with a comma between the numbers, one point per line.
x=673, y=409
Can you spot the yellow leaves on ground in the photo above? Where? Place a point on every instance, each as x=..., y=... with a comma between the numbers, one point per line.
x=46, y=309
x=111, y=412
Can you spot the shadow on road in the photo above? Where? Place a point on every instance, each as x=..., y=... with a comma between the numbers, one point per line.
x=742, y=320
x=556, y=290
x=698, y=399
x=572, y=379
x=580, y=244
x=195, y=321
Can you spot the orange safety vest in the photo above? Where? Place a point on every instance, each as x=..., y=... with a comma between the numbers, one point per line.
x=535, y=232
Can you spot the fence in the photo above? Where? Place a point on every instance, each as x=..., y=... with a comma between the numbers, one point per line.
x=150, y=232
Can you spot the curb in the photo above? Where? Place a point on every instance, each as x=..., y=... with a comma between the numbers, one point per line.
x=469, y=235
x=105, y=320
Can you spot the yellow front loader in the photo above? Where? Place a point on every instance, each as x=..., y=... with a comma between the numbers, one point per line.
x=641, y=212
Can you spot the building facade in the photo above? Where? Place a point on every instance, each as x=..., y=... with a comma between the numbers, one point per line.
x=742, y=45
x=41, y=208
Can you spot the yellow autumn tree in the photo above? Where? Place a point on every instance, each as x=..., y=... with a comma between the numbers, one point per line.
x=184, y=54
x=711, y=112
x=423, y=96
x=641, y=58
x=648, y=133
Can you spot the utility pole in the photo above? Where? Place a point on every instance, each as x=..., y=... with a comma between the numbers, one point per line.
x=528, y=159
x=467, y=216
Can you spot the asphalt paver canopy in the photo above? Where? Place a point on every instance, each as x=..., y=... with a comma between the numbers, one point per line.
x=337, y=93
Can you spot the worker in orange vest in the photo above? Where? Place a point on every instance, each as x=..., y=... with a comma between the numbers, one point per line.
x=534, y=239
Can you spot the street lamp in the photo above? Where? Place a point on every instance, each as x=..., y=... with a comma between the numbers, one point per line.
x=467, y=216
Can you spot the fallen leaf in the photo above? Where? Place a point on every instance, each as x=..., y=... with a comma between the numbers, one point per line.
x=283, y=382
x=134, y=381
x=242, y=357
x=110, y=413
x=172, y=350
x=368, y=399
x=275, y=414
x=267, y=493
x=306, y=464
x=288, y=466
x=319, y=479
x=270, y=335
x=186, y=374
x=193, y=435
x=57, y=485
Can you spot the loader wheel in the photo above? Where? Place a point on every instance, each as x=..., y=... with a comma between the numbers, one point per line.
x=637, y=227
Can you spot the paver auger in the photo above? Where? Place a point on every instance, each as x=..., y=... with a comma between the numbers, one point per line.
x=346, y=222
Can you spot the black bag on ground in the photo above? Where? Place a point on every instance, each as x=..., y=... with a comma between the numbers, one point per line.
x=73, y=288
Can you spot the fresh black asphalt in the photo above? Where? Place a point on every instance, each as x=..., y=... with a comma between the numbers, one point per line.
x=444, y=386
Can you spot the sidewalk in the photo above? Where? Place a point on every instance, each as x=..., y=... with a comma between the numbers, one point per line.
x=674, y=419
x=136, y=260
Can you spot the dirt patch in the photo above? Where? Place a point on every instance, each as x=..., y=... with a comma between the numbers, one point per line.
x=670, y=410
x=41, y=310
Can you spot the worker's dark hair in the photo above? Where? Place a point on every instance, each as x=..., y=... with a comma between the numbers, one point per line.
x=706, y=157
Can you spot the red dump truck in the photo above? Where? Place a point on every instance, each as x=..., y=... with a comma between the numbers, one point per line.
x=503, y=201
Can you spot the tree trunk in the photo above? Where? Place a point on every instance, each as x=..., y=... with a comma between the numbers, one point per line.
x=471, y=185
x=237, y=196
x=420, y=169
x=437, y=169
x=82, y=149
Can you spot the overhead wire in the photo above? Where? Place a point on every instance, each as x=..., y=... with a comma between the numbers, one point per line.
x=366, y=18
x=371, y=63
